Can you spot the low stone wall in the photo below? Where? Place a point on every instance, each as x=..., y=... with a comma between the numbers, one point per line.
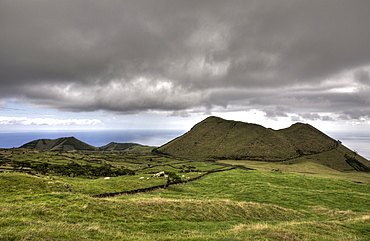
x=147, y=189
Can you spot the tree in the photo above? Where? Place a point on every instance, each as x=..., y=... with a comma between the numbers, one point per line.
x=172, y=178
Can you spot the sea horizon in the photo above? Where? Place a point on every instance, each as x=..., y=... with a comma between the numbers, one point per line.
x=97, y=138
x=355, y=141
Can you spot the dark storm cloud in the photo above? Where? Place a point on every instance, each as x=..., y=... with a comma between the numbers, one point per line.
x=281, y=57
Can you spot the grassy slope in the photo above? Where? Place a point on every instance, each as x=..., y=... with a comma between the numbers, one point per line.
x=308, y=139
x=139, y=149
x=215, y=137
x=222, y=139
x=233, y=205
x=143, y=164
x=60, y=144
x=127, y=147
x=329, y=164
x=73, y=144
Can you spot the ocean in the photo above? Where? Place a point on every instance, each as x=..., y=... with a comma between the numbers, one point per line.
x=94, y=137
x=356, y=141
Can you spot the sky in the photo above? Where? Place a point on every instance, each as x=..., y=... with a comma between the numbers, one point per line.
x=168, y=64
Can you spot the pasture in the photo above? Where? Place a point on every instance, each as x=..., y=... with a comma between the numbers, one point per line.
x=234, y=204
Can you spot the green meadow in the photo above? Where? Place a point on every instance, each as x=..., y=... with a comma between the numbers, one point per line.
x=276, y=201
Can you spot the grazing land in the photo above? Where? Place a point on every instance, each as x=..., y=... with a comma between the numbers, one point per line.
x=299, y=200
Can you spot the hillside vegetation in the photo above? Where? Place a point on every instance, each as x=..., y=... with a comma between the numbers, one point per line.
x=60, y=144
x=126, y=147
x=73, y=144
x=219, y=139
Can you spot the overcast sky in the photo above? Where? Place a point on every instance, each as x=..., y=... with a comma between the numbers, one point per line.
x=169, y=64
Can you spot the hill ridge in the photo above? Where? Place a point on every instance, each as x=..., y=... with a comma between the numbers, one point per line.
x=59, y=144
x=74, y=144
x=216, y=138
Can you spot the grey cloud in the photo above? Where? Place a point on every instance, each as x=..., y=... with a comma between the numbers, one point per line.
x=116, y=96
x=139, y=55
x=278, y=111
x=311, y=116
x=180, y=113
x=356, y=114
x=295, y=119
x=315, y=116
x=327, y=118
x=362, y=76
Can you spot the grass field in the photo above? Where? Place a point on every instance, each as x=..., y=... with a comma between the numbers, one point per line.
x=302, y=202
x=304, y=166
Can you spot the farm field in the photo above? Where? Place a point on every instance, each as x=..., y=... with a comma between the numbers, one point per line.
x=230, y=204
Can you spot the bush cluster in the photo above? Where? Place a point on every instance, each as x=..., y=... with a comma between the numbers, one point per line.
x=72, y=169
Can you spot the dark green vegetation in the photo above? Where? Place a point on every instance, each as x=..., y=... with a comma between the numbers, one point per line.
x=60, y=144
x=130, y=171
x=126, y=147
x=65, y=144
x=219, y=139
x=314, y=191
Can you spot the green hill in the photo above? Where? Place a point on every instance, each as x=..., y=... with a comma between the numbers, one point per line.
x=114, y=146
x=60, y=144
x=308, y=140
x=73, y=144
x=126, y=147
x=216, y=138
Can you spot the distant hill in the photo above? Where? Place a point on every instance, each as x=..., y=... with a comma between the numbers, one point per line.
x=126, y=147
x=114, y=146
x=216, y=138
x=73, y=144
x=60, y=144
